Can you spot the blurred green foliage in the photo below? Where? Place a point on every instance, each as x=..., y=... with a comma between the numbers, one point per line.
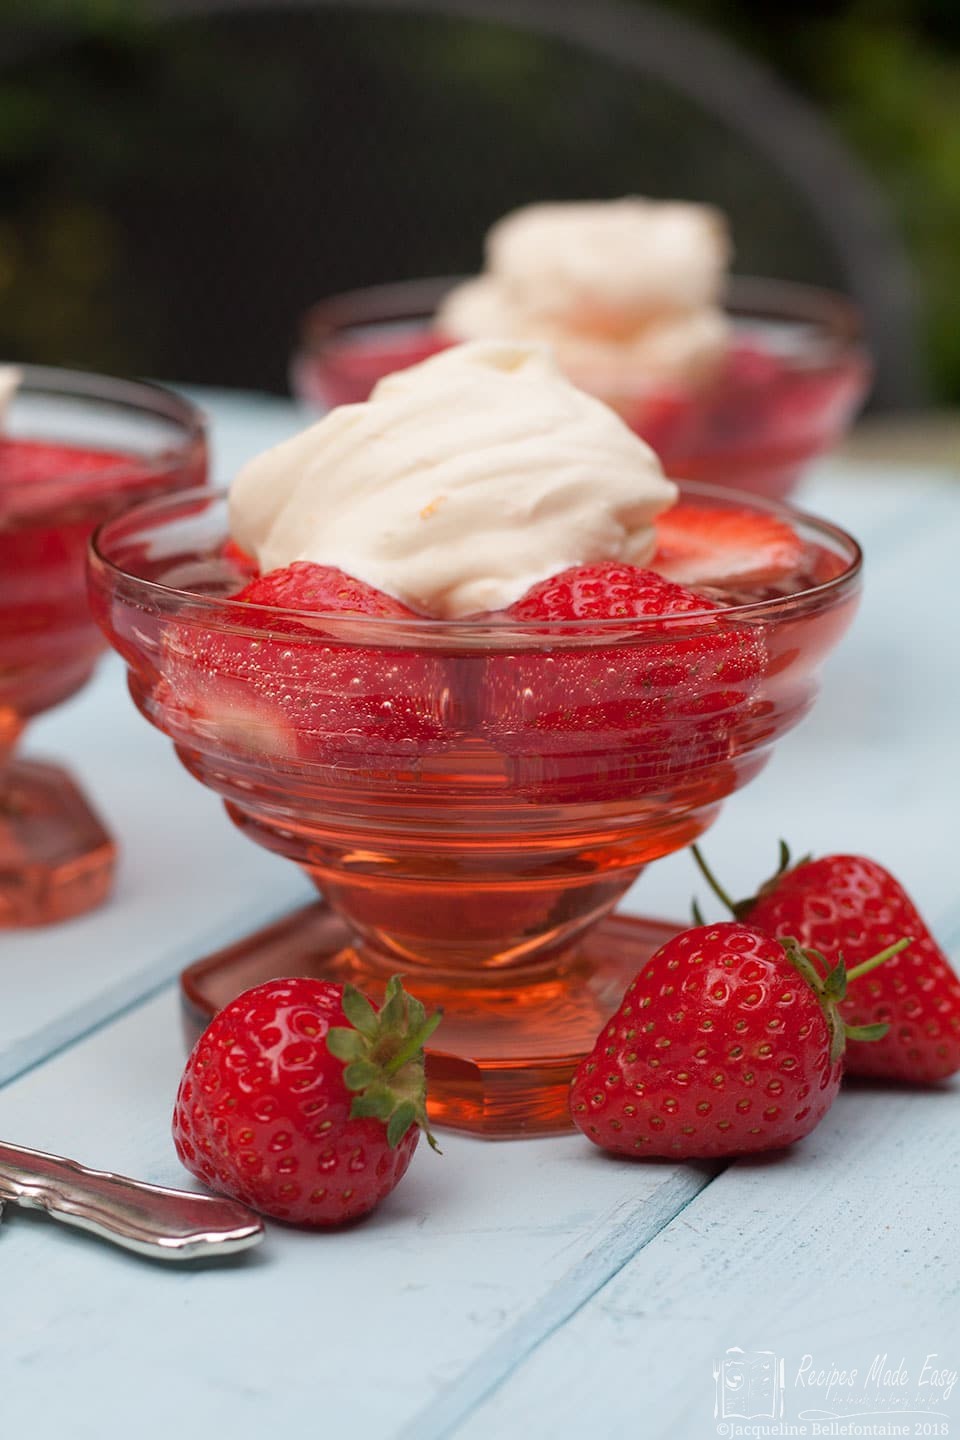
x=901, y=110
x=887, y=75
x=885, y=72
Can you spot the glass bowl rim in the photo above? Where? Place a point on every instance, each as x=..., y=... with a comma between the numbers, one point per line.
x=836, y=316
x=488, y=625
x=145, y=398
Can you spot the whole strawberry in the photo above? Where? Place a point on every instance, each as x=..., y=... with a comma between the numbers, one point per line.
x=850, y=906
x=304, y=1101
x=726, y=1043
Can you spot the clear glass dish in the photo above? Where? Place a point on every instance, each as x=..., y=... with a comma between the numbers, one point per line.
x=472, y=798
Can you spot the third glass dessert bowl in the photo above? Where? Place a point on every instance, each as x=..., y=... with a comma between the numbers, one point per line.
x=786, y=392
x=734, y=381
x=75, y=449
x=472, y=797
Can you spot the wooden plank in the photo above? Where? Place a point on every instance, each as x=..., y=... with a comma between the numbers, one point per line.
x=842, y=1249
x=351, y=1332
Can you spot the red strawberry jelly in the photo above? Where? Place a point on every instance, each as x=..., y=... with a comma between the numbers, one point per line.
x=51, y=497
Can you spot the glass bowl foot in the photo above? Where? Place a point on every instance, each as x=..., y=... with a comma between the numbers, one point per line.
x=508, y=1044
x=56, y=859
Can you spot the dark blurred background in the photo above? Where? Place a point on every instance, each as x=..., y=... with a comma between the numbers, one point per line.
x=177, y=185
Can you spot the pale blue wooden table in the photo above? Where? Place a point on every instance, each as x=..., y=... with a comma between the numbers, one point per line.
x=513, y=1290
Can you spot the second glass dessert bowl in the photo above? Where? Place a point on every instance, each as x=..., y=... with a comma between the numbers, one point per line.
x=791, y=383
x=472, y=798
x=76, y=448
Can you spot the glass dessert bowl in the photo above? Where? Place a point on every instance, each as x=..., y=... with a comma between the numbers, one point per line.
x=472, y=797
x=76, y=448
x=792, y=380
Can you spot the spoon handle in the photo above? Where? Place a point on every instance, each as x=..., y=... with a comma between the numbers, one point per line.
x=151, y=1220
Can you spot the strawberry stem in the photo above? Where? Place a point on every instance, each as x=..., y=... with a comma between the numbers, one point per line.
x=714, y=883
x=740, y=909
x=881, y=958
x=830, y=988
x=414, y=1044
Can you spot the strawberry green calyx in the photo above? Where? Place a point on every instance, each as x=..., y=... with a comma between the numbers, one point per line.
x=830, y=988
x=382, y=1051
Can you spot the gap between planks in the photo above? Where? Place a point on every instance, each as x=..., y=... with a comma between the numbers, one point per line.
x=111, y=1005
x=495, y=1365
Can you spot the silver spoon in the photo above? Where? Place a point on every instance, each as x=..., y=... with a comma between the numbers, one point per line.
x=151, y=1220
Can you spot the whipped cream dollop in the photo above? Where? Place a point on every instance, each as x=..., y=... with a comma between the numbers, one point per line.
x=621, y=289
x=10, y=380
x=460, y=483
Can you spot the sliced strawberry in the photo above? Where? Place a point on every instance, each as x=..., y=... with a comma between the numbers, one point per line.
x=318, y=590
x=598, y=719
x=606, y=591
x=238, y=559
x=309, y=695
x=712, y=544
